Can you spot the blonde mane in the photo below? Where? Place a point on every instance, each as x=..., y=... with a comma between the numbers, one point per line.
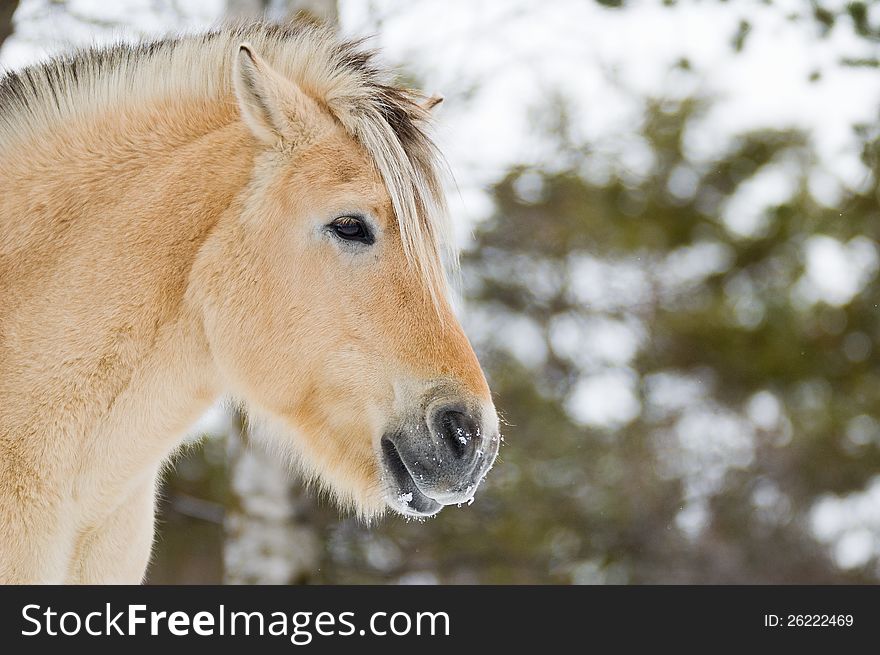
x=389, y=121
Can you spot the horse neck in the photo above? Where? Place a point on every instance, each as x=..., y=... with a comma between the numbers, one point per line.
x=102, y=222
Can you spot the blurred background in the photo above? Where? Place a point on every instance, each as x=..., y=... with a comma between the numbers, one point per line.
x=669, y=218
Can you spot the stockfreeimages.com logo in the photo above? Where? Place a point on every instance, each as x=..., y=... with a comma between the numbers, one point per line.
x=300, y=627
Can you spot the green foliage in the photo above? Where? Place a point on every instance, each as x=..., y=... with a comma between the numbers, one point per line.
x=189, y=542
x=742, y=33
x=568, y=502
x=858, y=12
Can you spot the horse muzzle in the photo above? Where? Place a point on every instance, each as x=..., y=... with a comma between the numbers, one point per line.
x=439, y=461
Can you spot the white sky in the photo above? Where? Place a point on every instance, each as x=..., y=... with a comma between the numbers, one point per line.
x=507, y=58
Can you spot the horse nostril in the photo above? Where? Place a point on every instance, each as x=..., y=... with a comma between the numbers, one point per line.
x=459, y=431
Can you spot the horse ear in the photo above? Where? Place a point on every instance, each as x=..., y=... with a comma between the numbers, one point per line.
x=272, y=106
x=256, y=96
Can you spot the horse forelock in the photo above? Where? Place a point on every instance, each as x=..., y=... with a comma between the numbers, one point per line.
x=388, y=120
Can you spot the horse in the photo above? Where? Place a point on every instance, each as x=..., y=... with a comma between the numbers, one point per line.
x=253, y=213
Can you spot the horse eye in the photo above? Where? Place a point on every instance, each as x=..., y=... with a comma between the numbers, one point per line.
x=352, y=228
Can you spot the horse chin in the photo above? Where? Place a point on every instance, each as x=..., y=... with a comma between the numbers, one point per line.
x=403, y=495
x=414, y=504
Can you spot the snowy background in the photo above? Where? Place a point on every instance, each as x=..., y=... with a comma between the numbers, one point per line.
x=703, y=178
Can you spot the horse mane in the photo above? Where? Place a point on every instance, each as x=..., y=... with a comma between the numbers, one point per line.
x=388, y=120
